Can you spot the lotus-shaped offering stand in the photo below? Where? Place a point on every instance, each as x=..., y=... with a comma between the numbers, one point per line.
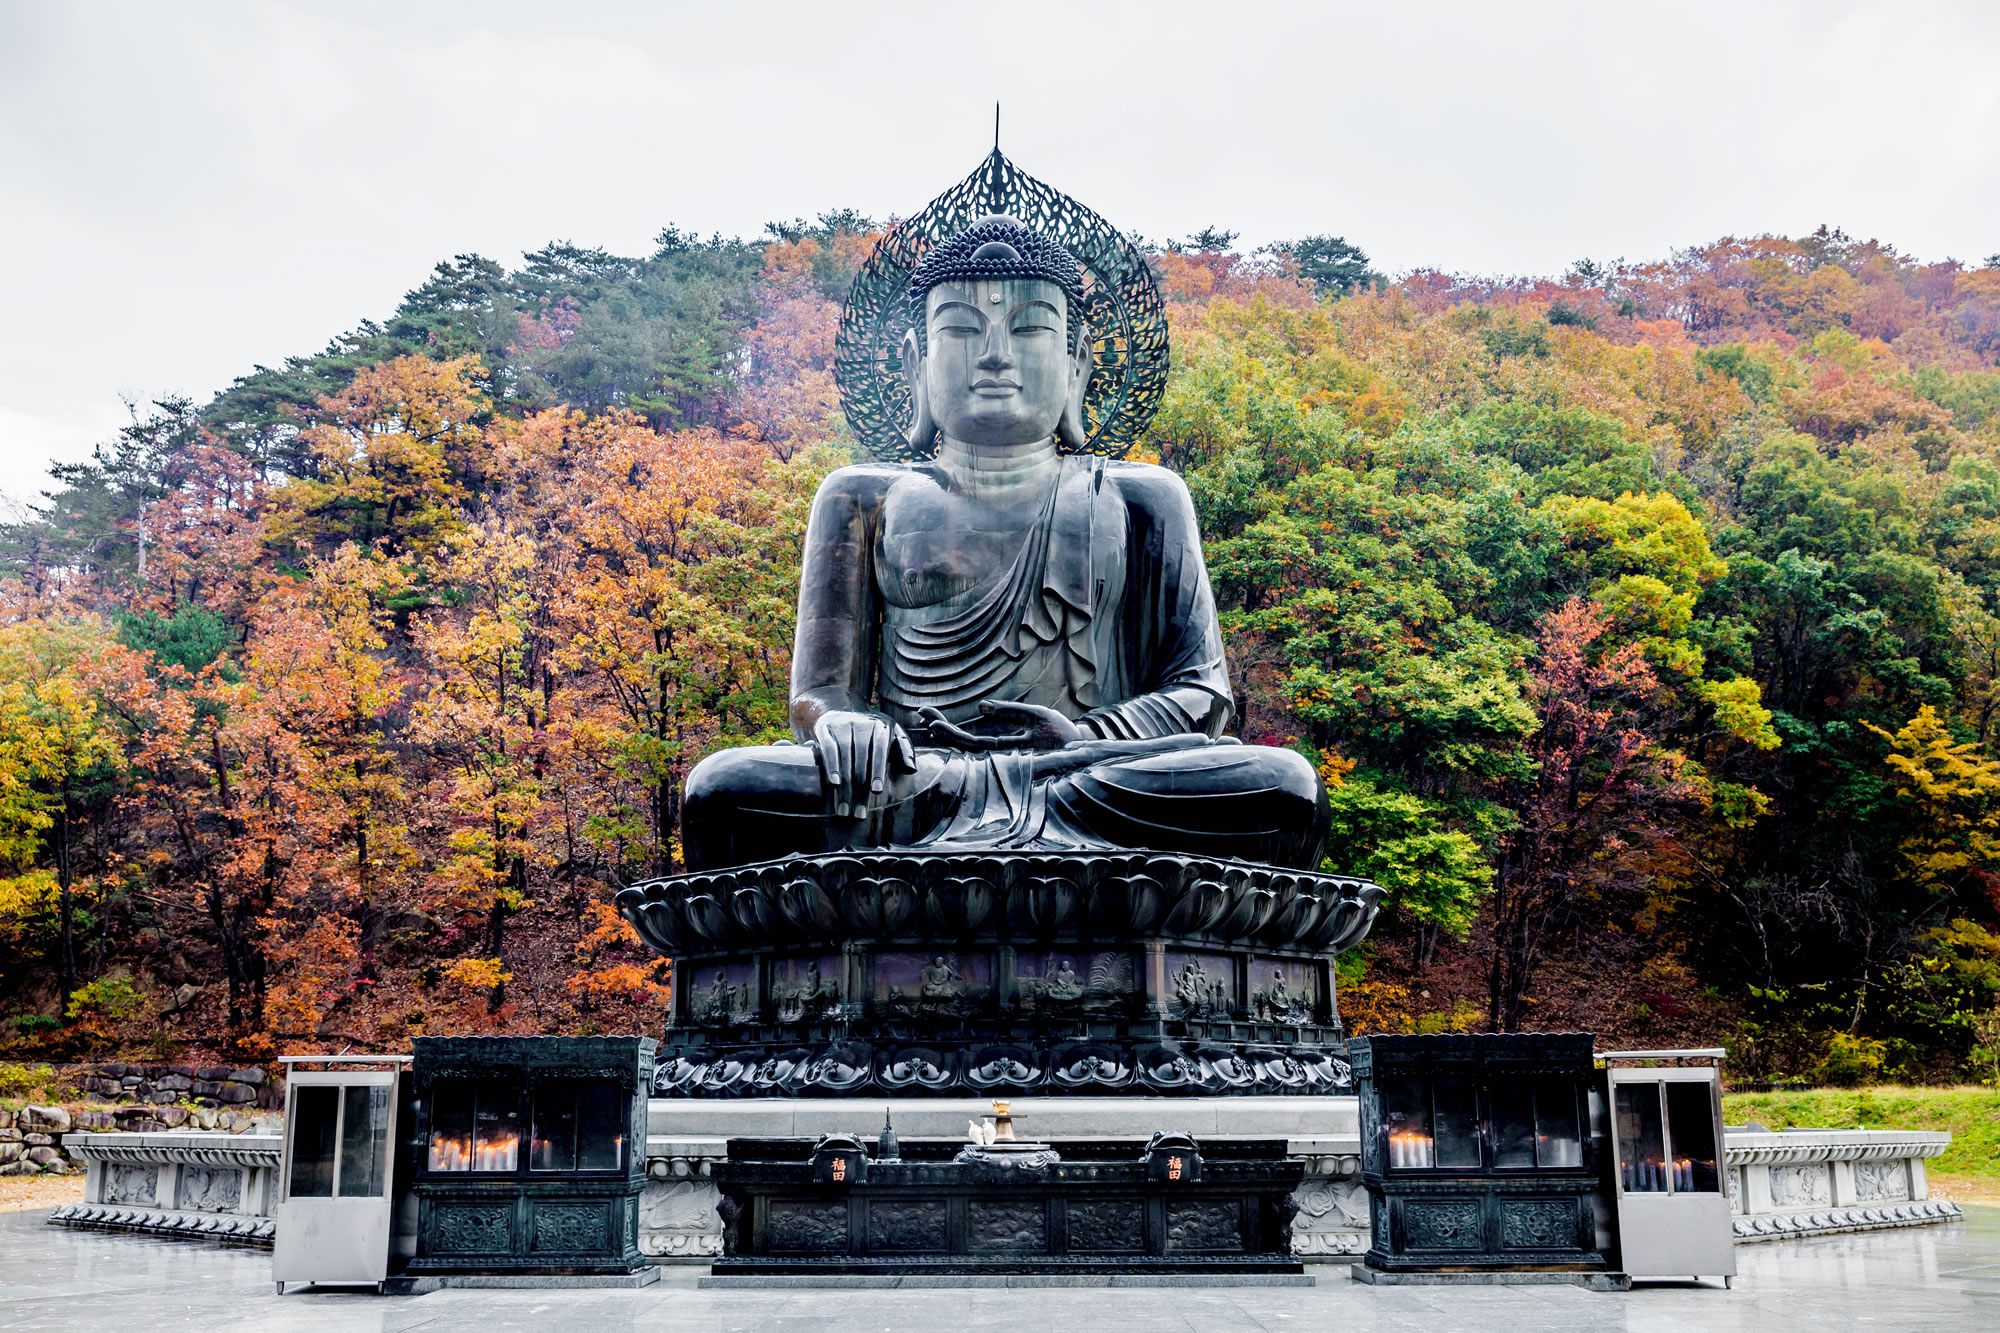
x=935, y=974
x=1007, y=1161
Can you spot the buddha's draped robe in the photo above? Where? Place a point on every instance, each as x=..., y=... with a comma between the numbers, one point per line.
x=1104, y=614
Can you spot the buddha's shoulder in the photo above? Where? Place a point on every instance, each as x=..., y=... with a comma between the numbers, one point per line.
x=1149, y=486
x=867, y=483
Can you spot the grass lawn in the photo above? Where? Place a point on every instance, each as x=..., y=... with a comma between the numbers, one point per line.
x=1969, y=1170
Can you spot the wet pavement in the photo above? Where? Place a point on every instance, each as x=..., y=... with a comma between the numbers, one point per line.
x=1938, y=1277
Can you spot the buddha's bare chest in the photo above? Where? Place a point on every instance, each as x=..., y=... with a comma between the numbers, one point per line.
x=936, y=545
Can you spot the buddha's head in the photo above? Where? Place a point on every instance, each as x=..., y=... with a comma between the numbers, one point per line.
x=997, y=353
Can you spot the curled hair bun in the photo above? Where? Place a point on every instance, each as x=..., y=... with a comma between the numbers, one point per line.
x=998, y=247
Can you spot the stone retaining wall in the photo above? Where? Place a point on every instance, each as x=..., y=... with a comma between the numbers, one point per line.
x=210, y=1087
x=31, y=1141
x=40, y=1139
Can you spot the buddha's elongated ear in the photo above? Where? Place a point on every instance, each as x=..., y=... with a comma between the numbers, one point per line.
x=1070, y=435
x=922, y=434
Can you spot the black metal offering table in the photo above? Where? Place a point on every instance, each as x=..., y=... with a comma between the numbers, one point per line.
x=1478, y=1158
x=948, y=974
x=1111, y=1207
x=531, y=1153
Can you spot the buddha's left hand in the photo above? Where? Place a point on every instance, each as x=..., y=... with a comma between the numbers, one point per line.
x=1037, y=728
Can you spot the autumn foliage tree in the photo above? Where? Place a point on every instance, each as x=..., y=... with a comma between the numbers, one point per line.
x=1643, y=620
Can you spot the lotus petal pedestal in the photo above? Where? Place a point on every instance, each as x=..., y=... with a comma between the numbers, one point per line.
x=933, y=974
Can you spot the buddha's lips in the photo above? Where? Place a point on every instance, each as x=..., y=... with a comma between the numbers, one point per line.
x=996, y=388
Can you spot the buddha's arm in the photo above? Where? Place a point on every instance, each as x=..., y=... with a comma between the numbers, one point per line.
x=1170, y=712
x=1175, y=639
x=833, y=662
x=833, y=648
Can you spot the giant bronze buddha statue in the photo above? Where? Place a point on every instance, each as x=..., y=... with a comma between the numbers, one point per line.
x=1010, y=848
x=1006, y=645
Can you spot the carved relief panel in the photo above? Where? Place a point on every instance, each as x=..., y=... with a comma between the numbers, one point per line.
x=1538, y=1224
x=679, y=1217
x=806, y=1226
x=571, y=1228
x=210, y=1189
x=806, y=989
x=937, y=984
x=1284, y=990
x=1204, y=1226
x=723, y=994
x=1107, y=1226
x=125, y=1182
x=1200, y=985
x=1801, y=1186
x=1006, y=1226
x=1063, y=982
x=1444, y=1224
x=906, y=1226
x=1881, y=1182
x=473, y=1228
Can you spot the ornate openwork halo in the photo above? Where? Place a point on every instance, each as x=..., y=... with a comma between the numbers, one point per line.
x=1121, y=307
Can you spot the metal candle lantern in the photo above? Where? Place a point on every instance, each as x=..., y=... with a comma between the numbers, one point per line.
x=530, y=1153
x=1477, y=1155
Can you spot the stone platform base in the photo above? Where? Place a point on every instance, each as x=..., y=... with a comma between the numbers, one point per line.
x=418, y=1286
x=836, y=1282
x=678, y=1222
x=1375, y=1277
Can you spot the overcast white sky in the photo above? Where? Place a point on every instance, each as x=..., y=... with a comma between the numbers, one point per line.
x=187, y=190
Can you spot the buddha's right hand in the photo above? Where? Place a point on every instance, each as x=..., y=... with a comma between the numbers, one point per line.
x=855, y=752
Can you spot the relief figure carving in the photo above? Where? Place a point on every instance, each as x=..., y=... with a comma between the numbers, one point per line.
x=913, y=1226
x=680, y=1217
x=1107, y=1226
x=1204, y=1226
x=1006, y=1227
x=1801, y=1186
x=804, y=1227
x=1881, y=1182
x=210, y=1189
x=125, y=1182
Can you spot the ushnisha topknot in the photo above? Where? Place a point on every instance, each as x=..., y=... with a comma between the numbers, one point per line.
x=998, y=246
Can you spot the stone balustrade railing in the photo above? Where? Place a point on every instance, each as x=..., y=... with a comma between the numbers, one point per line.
x=214, y=1186
x=1805, y=1182
x=1795, y=1183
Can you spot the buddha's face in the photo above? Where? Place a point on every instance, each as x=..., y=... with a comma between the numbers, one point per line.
x=998, y=369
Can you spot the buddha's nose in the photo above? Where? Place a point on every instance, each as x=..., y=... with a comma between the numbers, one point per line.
x=997, y=352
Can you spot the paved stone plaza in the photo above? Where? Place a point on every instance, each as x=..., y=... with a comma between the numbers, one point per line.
x=1940, y=1277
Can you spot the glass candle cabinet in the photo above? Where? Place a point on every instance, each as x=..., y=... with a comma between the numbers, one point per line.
x=531, y=1155
x=341, y=1172
x=1477, y=1154
x=1667, y=1163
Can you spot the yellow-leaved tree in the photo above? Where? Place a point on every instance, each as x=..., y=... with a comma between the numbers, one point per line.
x=1956, y=794
x=56, y=762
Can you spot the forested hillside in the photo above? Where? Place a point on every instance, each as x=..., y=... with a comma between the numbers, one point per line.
x=1644, y=622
